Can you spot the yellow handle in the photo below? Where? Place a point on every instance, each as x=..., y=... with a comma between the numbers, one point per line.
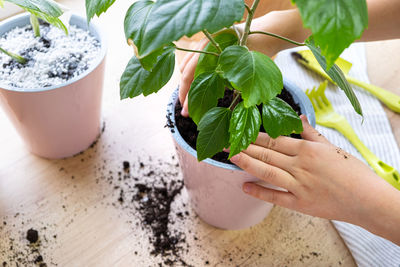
x=390, y=99
x=387, y=172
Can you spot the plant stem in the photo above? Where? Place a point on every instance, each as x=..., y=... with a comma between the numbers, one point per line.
x=248, y=22
x=236, y=98
x=197, y=51
x=208, y=35
x=278, y=36
x=248, y=8
x=16, y=57
x=35, y=25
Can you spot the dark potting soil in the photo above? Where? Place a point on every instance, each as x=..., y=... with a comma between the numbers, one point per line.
x=188, y=129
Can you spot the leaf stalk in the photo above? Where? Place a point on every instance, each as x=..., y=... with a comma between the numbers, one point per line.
x=235, y=100
x=197, y=51
x=209, y=37
x=35, y=25
x=248, y=8
x=277, y=36
x=248, y=22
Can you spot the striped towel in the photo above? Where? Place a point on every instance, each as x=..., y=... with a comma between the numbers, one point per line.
x=366, y=248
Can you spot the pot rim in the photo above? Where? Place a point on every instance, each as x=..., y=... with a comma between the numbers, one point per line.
x=76, y=20
x=299, y=97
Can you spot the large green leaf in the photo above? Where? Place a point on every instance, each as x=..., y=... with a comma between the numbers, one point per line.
x=244, y=127
x=280, y=119
x=134, y=26
x=161, y=72
x=204, y=93
x=131, y=84
x=209, y=62
x=252, y=73
x=136, y=19
x=150, y=60
x=46, y=10
x=335, y=24
x=169, y=20
x=96, y=7
x=336, y=75
x=213, y=132
x=137, y=80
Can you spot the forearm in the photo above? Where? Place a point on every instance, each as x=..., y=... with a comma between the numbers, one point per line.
x=384, y=20
x=379, y=211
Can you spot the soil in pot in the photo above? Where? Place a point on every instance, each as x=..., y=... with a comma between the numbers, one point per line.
x=53, y=58
x=188, y=129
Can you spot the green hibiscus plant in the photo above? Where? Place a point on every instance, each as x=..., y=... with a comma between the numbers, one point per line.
x=227, y=64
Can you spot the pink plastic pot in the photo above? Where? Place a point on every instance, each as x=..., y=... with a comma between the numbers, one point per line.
x=215, y=188
x=58, y=121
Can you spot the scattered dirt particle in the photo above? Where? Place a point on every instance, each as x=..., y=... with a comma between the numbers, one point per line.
x=126, y=165
x=39, y=259
x=315, y=254
x=32, y=236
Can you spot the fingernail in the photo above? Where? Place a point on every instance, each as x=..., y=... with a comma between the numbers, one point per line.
x=247, y=188
x=184, y=112
x=304, y=118
x=236, y=158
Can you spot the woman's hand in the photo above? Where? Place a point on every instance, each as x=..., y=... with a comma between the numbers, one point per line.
x=321, y=180
x=187, y=68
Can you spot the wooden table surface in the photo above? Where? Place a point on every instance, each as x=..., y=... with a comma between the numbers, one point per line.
x=75, y=203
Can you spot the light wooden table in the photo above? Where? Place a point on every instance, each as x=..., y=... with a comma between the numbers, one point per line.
x=74, y=205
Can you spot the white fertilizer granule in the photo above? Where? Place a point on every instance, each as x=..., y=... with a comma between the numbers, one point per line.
x=53, y=59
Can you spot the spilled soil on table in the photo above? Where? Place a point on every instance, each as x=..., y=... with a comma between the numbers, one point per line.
x=148, y=190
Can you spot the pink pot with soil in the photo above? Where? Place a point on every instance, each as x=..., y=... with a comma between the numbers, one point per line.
x=215, y=188
x=58, y=121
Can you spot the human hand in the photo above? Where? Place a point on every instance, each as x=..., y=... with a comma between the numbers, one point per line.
x=321, y=179
x=187, y=68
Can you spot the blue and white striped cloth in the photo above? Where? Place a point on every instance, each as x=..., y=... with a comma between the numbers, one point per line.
x=366, y=248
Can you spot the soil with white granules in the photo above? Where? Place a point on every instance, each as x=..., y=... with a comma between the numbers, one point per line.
x=53, y=58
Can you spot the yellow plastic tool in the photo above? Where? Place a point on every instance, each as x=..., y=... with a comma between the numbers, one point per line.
x=390, y=99
x=326, y=116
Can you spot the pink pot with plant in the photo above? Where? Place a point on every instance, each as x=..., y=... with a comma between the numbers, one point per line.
x=215, y=188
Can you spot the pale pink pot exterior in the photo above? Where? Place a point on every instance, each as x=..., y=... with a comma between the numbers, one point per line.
x=62, y=121
x=216, y=194
x=58, y=123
